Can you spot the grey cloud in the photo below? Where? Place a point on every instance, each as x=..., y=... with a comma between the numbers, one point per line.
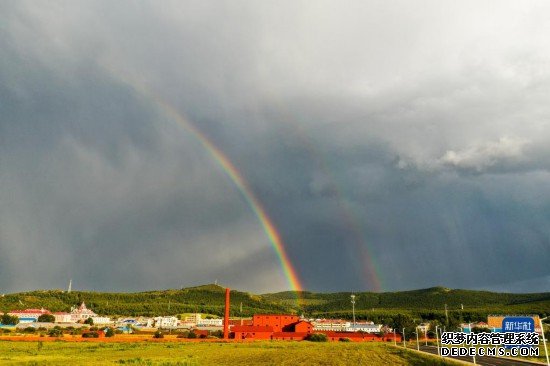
x=395, y=131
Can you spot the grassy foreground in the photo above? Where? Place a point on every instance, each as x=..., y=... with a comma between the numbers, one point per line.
x=254, y=353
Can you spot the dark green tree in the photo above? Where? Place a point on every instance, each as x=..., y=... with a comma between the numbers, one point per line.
x=317, y=337
x=9, y=319
x=46, y=318
x=89, y=321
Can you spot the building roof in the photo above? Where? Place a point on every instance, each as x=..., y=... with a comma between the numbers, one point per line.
x=350, y=334
x=329, y=321
x=287, y=315
x=30, y=311
x=251, y=328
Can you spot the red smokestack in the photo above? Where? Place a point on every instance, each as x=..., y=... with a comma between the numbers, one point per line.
x=226, y=317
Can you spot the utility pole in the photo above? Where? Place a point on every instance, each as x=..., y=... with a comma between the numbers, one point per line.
x=446, y=315
x=70, y=286
x=404, y=341
x=544, y=339
x=353, y=309
x=241, y=312
x=437, y=340
x=417, y=341
x=470, y=331
x=394, y=336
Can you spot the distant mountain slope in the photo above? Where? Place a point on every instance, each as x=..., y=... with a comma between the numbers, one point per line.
x=433, y=298
x=210, y=299
x=205, y=299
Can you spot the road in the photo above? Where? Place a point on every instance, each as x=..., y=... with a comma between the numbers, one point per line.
x=484, y=360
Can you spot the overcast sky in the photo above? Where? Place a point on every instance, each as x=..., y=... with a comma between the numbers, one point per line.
x=411, y=139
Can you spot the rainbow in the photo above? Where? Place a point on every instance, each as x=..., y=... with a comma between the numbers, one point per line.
x=247, y=193
x=370, y=270
x=232, y=172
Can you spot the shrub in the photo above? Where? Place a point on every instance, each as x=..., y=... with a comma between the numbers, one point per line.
x=110, y=332
x=217, y=334
x=192, y=335
x=90, y=334
x=42, y=329
x=89, y=321
x=158, y=334
x=344, y=339
x=317, y=337
x=29, y=330
x=55, y=332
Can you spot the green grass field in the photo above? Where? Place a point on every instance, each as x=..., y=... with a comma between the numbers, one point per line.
x=255, y=353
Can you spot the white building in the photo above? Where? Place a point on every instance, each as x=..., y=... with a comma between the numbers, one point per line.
x=364, y=327
x=28, y=315
x=61, y=317
x=81, y=313
x=210, y=323
x=423, y=328
x=196, y=320
x=193, y=318
x=101, y=320
x=166, y=322
x=333, y=325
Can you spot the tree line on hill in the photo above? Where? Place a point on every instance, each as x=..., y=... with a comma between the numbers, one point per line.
x=426, y=304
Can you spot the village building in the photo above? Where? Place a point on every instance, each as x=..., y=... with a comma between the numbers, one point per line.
x=81, y=313
x=423, y=328
x=165, y=322
x=101, y=320
x=364, y=327
x=193, y=318
x=28, y=315
x=334, y=325
x=290, y=327
x=62, y=317
x=210, y=323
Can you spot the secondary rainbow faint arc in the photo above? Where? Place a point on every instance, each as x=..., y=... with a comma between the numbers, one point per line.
x=235, y=176
x=370, y=268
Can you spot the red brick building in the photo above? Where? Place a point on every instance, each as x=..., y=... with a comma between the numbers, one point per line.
x=273, y=326
x=290, y=327
x=279, y=322
x=252, y=332
x=361, y=337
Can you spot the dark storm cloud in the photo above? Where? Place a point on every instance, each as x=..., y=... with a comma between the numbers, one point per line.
x=417, y=134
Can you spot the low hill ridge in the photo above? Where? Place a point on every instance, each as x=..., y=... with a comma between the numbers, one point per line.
x=208, y=298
